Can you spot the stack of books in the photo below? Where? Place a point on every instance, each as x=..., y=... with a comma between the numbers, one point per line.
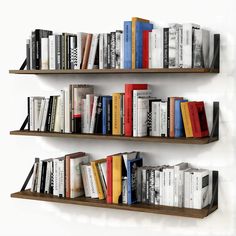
x=122, y=178
x=134, y=113
x=137, y=45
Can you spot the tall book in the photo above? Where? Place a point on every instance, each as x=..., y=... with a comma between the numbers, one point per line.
x=127, y=44
x=146, y=52
x=93, y=50
x=109, y=180
x=81, y=40
x=134, y=21
x=186, y=120
x=86, y=51
x=128, y=106
x=116, y=113
x=106, y=114
x=117, y=179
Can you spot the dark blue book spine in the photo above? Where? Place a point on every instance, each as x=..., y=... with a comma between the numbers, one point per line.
x=179, y=127
x=104, y=115
x=127, y=44
x=140, y=27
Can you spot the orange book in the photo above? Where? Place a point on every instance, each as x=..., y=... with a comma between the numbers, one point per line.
x=134, y=20
x=87, y=51
x=186, y=120
x=116, y=179
x=116, y=113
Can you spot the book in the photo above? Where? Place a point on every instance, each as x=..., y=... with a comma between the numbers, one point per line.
x=142, y=111
x=116, y=114
x=165, y=47
x=52, y=52
x=44, y=54
x=179, y=127
x=86, y=51
x=87, y=113
x=92, y=183
x=98, y=117
x=113, y=50
x=134, y=21
x=105, y=50
x=118, y=48
x=101, y=53
x=86, y=183
x=81, y=40
x=128, y=106
x=116, y=179
x=28, y=59
x=157, y=48
x=155, y=109
x=140, y=27
x=132, y=166
x=106, y=114
x=163, y=118
x=93, y=115
x=109, y=180
x=93, y=49
x=186, y=120
x=145, y=62
x=127, y=44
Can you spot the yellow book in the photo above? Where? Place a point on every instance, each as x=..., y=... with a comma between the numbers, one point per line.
x=116, y=113
x=97, y=177
x=186, y=120
x=134, y=20
x=116, y=179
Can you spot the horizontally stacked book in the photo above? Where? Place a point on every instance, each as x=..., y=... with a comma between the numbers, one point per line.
x=122, y=178
x=138, y=45
x=133, y=113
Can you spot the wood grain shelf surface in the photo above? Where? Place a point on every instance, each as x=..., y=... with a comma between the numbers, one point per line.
x=204, y=140
x=118, y=71
x=174, y=211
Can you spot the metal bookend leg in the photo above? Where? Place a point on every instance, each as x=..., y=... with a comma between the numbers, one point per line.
x=29, y=176
x=215, y=127
x=24, y=123
x=214, y=201
x=23, y=65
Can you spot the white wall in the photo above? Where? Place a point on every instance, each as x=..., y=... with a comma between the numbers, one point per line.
x=23, y=218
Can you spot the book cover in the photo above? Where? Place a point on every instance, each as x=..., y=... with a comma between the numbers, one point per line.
x=106, y=114
x=145, y=62
x=93, y=116
x=166, y=48
x=116, y=114
x=132, y=166
x=92, y=53
x=87, y=51
x=116, y=179
x=134, y=21
x=186, y=120
x=142, y=111
x=109, y=179
x=127, y=44
x=113, y=50
x=98, y=117
x=118, y=48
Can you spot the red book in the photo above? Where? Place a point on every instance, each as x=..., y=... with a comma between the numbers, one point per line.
x=198, y=119
x=109, y=179
x=129, y=106
x=146, y=48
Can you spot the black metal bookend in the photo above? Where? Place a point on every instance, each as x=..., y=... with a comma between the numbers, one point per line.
x=29, y=176
x=214, y=201
x=215, y=128
x=215, y=64
x=24, y=123
x=23, y=65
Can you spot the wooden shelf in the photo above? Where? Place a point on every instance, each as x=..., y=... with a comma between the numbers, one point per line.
x=175, y=211
x=118, y=71
x=204, y=140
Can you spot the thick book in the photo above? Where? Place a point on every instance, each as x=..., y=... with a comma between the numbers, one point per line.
x=127, y=44
x=86, y=51
x=116, y=114
x=116, y=179
x=106, y=114
x=198, y=119
x=186, y=120
x=44, y=54
x=145, y=62
x=132, y=166
x=134, y=21
x=128, y=106
x=118, y=48
x=140, y=27
x=179, y=127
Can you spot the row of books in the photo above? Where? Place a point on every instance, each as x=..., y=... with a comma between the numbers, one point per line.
x=138, y=45
x=133, y=113
x=122, y=178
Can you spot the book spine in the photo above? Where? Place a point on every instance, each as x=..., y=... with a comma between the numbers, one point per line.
x=152, y=186
x=113, y=50
x=41, y=112
x=94, y=192
x=62, y=111
x=39, y=176
x=49, y=114
x=122, y=50
x=139, y=184
x=28, y=54
x=127, y=44
x=145, y=48
x=48, y=177
x=142, y=117
x=98, y=117
x=108, y=51
x=157, y=187
x=163, y=119
x=173, y=47
x=117, y=48
x=93, y=50
x=155, y=119
x=53, y=115
x=150, y=50
x=92, y=123
x=101, y=53
x=116, y=104
x=154, y=49
x=180, y=46
x=33, y=185
x=44, y=54
x=109, y=116
x=109, y=179
x=124, y=190
x=52, y=53
x=87, y=51
x=85, y=181
x=144, y=185
x=104, y=115
x=105, y=51
x=97, y=181
x=166, y=48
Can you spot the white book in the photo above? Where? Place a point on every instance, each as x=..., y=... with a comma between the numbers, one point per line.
x=92, y=123
x=210, y=186
x=31, y=53
x=156, y=118
x=104, y=170
x=81, y=39
x=124, y=190
x=163, y=118
x=154, y=48
x=45, y=111
x=88, y=112
x=179, y=183
x=170, y=186
x=67, y=111
x=149, y=50
x=62, y=111
x=39, y=176
x=200, y=188
x=162, y=188
x=105, y=51
x=87, y=189
x=52, y=51
x=143, y=106
x=101, y=39
x=160, y=48
x=180, y=46
x=136, y=94
x=94, y=192
x=48, y=177
x=187, y=185
x=188, y=43
x=117, y=48
x=76, y=184
x=44, y=54
x=37, y=107
x=57, y=126
x=127, y=156
x=31, y=113
x=157, y=186
x=61, y=173
x=34, y=177
x=122, y=51
x=174, y=45
x=56, y=177
x=93, y=50
x=41, y=112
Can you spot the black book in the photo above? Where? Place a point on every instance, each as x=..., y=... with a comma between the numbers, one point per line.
x=109, y=116
x=108, y=51
x=43, y=176
x=58, y=44
x=96, y=60
x=51, y=180
x=28, y=54
x=49, y=114
x=168, y=117
x=53, y=114
x=166, y=48
x=98, y=117
x=33, y=43
x=147, y=186
x=37, y=44
x=28, y=106
x=113, y=50
x=63, y=66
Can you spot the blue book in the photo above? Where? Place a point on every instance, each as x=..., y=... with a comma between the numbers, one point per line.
x=128, y=44
x=132, y=166
x=105, y=114
x=140, y=27
x=179, y=126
